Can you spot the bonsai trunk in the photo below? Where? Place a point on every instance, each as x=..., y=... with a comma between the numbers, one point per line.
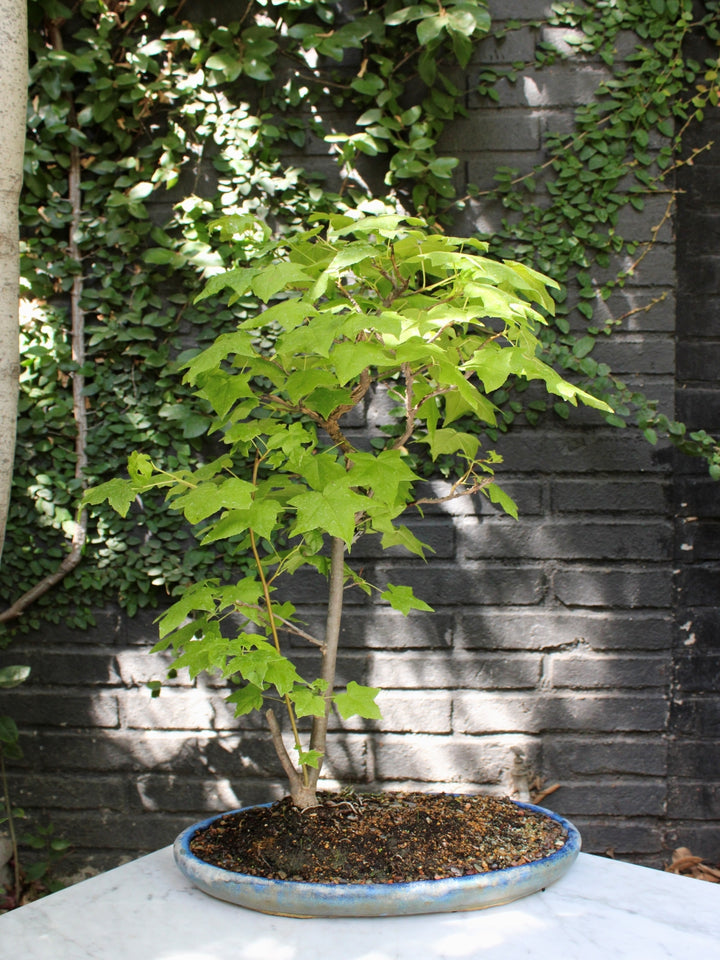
x=303, y=782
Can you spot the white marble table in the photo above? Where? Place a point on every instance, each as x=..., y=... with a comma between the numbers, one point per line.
x=146, y=910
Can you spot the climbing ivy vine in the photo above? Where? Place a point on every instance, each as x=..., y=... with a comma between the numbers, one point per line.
x=624, y=150
x=147, y=120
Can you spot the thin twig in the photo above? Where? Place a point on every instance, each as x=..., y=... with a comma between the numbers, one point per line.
x=454, y=494
x=409, y=408
x=271, y=620
x=290, y=627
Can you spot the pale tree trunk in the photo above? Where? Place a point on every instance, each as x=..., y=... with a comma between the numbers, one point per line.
x=303, y=785
x=13, y=100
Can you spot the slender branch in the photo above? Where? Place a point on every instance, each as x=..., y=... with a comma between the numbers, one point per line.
x=397, y=290
x=362, y=388
x=647, y=246
x=247, y=10
x=477, y=486
x=409, y=408
x=290, y=627
x=440, y=392
x=644, y=309
x=355, y=397
x=42, y=586
x=78, y=342
x=344, y=292
x=288, y=766
x=272, y=624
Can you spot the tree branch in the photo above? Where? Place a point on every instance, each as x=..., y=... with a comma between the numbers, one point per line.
x=280, y=749
x=303, y=796
x=454, y=494
x=409, y=409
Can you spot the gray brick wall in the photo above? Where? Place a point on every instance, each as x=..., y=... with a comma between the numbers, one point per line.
x=693, y=812
x=583, y=635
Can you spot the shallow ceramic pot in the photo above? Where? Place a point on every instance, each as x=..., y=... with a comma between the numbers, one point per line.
x=296, y=899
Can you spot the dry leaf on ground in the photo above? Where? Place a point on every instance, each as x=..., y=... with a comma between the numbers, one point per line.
x=683, y=862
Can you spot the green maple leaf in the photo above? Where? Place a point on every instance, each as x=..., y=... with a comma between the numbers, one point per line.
x=140, y=467
x=401, y=536
x=309, y=758
x=387, y=474
x=324, y=401
x=403, y=599
x=263, y=666
x=314, y=338
x=246, y=699
x=261, y=517
x=276, y=277
x=224, y=390
x=237, y=343
x=318, y=470
x=307, y=703
x=231, y=524
x=350, y=359
x=198, y=596
x=503, y=499
x=333, y=511
x=301, y=383
x=238, y=280
x=179, y=637
x=281, y=673
x=354, y=252
x=207, y=498
x=358, y=701
x=449, y=440
x=118, y=493
x=207, y=654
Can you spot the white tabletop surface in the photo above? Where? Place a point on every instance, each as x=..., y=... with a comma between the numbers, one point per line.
x=146, y=910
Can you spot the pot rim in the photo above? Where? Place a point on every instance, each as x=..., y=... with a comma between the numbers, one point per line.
x=569, y=849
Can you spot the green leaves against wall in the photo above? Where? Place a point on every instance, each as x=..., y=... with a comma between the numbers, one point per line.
x=168, y=121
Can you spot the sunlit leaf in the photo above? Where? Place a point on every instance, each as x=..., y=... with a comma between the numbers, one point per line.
x=358, y=701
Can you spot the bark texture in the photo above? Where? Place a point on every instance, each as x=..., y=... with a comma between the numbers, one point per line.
x=13, y=99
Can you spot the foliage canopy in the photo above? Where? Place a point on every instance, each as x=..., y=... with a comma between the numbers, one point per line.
x=359, y=306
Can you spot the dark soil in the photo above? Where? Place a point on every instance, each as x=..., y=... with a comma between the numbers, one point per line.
x=379, y=838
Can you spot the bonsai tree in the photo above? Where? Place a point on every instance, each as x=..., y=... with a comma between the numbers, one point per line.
x=351, y=307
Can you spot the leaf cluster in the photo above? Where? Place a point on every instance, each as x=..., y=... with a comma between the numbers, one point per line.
x=366, y=304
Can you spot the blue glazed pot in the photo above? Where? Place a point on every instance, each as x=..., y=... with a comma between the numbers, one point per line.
x=291, y=898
